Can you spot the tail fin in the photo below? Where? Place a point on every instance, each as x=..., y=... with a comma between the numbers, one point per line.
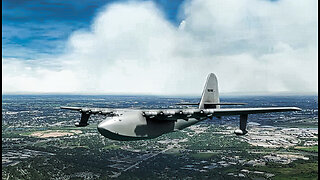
x=210, y=92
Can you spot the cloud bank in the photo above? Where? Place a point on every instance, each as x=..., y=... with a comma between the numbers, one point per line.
x=252, y=46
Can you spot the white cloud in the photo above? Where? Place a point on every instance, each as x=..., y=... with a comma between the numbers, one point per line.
x=252, y=46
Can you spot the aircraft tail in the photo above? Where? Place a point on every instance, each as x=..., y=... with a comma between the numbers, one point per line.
x=210, y=94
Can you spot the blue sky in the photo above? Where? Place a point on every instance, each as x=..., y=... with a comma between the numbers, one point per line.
x=34, y=29
x=159, y=47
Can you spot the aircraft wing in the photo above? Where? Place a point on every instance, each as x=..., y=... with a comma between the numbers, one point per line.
x=174, y=114
x=102, y=111
x=243, y=111
x=199, y=113
x=86, y=112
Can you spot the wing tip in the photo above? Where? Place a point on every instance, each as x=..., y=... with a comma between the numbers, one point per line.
x=297, y=109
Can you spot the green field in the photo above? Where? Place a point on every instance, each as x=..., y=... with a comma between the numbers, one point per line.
x=296, y=170
x=203, y=155
x=310, y=148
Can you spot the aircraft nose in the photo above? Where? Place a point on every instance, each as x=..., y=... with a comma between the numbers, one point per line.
x=104, y=130
x=102, y=127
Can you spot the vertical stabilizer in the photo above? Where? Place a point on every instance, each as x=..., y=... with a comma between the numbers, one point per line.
x=210, y=92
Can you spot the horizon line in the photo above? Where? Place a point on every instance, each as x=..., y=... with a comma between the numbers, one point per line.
x=170, y=95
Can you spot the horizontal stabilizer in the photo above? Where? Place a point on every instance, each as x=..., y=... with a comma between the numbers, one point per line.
x=71, y=108
x=188, y=104
x=213, y=104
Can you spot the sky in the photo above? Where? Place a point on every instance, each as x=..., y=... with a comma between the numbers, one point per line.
x=159, y=47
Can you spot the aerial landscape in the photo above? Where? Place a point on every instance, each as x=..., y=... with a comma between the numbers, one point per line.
x=40, y=141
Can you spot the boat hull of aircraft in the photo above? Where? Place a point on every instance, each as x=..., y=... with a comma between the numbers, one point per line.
x=132, y=125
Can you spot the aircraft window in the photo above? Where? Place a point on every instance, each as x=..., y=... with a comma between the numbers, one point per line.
x=210, y=90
